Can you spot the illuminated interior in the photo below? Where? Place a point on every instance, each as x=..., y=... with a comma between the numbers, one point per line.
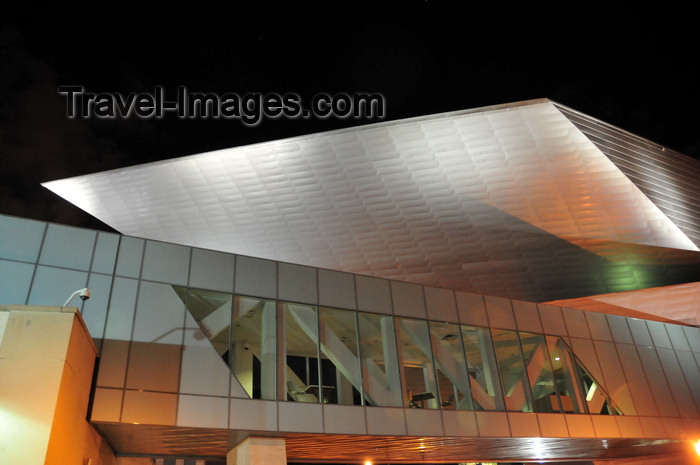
x=439, y=365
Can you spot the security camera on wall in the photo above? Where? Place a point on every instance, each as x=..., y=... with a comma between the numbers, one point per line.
x=84, y=295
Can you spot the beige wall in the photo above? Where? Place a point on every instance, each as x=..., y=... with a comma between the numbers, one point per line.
x=46, y=360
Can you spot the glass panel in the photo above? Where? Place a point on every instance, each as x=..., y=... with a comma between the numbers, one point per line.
x=120, y=315
x=256, y=276
x=681, y=392
x=677, y=336
x=20, y=239
x=657, y=381
x=516, y=388
x=53, y=286
x=450, y=367
x=129, y=257
x=105, y=253
x=614, y=377
x=690, y=371
x=597, y=402
x=212, y=312
x=15, y=282
x=373, y=294
x=380, y=368
x=160, y=314
x=301, y=372
x=168, y=263
x=297, y=283
x=539, y=371
x=340, y=358
x=68, y=247
x=619, y=329
x=153, y=367
x=482, y=370
x=254, y=345
x=153, y=408
x=420, y=386
x=205, y=368
x=336, y=288
x=95, y=310
x=564, y=370
x=113, y=360
x=692, y=333
x=212, y=270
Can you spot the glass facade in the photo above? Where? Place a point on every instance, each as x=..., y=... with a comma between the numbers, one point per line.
x=253, y=346
x=380, y=365
x=171, y=321
x=511, y=367
x=450, y=366
x=341, y=367
x=481, y=365
x=417, y=368
x=336, y=356
x=539, y=373
x=301, y=367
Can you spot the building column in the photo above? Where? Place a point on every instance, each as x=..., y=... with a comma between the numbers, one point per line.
x=258, y=451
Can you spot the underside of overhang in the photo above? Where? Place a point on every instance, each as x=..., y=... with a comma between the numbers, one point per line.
x=151, y=440
x=531, y=201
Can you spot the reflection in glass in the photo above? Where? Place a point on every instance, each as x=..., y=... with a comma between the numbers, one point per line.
x=66, y=246
x=516, y=388
x=450, y=367
x=212, y=312
x=160, y=312
x=301, y=372
x=420, y=386
x=163, y=262
x=380, y=368
x=254, y=345
x=597, y=400
x=15, y=282
x=539, y=371
x=565, y=377
x=205, y=351
x=482, y=370
x=340, y=362
x=52, y=286
x=589, y=395
x=352, y=358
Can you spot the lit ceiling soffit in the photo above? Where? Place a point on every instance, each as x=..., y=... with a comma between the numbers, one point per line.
x=465, y=200
x=209, y=443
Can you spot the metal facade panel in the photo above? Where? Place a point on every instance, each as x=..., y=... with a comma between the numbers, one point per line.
x=465, y=200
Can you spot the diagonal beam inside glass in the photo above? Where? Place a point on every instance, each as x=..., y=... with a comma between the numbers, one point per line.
x=355, y=355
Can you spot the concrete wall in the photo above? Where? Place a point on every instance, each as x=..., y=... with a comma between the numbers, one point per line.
x=46, y=366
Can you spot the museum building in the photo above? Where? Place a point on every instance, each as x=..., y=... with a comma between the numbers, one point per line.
x=510, y=284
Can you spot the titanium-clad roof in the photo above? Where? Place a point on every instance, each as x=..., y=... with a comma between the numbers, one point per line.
x=669, y=179
x=532, y=201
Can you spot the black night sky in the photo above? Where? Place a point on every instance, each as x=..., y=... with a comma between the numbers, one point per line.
x=632, y=67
